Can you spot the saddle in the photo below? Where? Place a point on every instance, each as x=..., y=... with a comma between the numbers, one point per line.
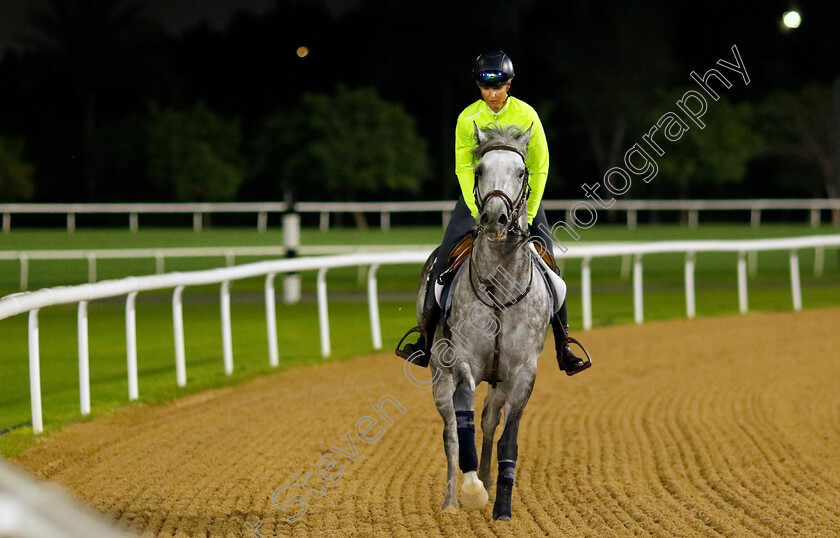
x=462, y=249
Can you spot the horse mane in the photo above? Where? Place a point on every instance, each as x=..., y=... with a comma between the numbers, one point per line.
x=498, y=136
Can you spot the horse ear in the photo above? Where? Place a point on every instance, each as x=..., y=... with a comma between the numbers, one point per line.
x=526, y=136
x=479, y=134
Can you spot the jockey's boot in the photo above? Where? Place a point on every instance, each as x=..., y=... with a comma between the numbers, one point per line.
x=419, y=352
x=566, y=359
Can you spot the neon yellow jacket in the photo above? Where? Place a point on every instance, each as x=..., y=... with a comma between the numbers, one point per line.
x=515, y=112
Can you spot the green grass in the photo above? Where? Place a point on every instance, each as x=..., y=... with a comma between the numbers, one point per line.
x=297, y=325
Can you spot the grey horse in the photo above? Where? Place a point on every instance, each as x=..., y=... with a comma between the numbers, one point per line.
x=496, y=327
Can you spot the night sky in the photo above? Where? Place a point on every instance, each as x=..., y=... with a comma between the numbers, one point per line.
x=175, y=15
x=596, y=71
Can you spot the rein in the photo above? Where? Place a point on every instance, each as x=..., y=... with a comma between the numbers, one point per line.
x=490, y=285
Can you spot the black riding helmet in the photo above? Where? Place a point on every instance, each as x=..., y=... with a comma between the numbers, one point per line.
x=493, y=69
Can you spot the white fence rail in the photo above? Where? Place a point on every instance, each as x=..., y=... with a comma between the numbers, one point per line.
x=32, y=302
x=813, y=207
x=160, y=255
x=34, y=509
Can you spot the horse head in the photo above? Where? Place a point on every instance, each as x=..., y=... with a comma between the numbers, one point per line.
x=501, y=180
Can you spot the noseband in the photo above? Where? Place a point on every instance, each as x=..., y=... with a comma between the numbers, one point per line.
x=513, y=206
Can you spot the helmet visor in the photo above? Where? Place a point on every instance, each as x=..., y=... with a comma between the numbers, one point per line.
x=492, y=78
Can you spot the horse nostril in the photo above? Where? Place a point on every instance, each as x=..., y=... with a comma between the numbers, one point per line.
x=503, y=220
x=484, y=219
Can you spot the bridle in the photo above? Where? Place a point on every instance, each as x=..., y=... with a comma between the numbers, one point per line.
x=513, y=206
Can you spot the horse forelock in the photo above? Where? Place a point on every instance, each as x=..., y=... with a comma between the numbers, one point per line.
x=499, y=137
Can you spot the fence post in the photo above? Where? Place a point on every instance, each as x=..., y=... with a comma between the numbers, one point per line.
x=444, y=218
x=197, y=224
x=755, y=217
x=742, y=283
x=752, y=263
x=24, y=271
x=586, y=292
x=84, y=359
x=91, y=258
x=373, y=307
x=7, y=222
x=227, y=336
x=385, y=221
x=819, y=261
x=271, y=320
x=133, y=223
x=626, y=261
x=323, y=314
x=693, y=218
x=632, y=219
x=815, y=218
x=291, y=240
x=35, y=373
x=324, y=221
x=795, y=285
x=262, y=222
x=690, y=304
x=71, y=222
x=131, y=346
x=638, y=300
x=178, y=330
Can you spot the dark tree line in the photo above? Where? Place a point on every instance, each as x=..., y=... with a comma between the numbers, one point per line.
x=102, y=104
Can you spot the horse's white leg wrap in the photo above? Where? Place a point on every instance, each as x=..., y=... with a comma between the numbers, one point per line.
x=557, y=283
x=473, y=493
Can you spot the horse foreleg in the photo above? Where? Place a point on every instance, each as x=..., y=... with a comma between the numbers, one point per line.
x=489, y=422
x=473, y=494
x=443, y=390
x=508, y=448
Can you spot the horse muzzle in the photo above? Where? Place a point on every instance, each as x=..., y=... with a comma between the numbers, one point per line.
x=495, y=227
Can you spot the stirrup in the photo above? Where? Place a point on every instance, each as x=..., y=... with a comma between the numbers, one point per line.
x=400, y=350
x=586, y=364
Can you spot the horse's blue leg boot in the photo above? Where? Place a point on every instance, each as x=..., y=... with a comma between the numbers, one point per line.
x=467, y=457
x=504, y=488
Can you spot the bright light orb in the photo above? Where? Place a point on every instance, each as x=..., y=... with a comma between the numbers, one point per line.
x=302, y=52
x=791, y=19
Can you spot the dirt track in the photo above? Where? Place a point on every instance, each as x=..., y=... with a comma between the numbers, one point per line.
x=715, y=426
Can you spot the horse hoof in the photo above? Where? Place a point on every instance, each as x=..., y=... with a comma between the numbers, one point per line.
x=473, y=494
x=450, y=509
x=502, y=518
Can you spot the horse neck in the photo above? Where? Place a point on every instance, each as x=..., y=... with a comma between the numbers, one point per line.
x=511, y=255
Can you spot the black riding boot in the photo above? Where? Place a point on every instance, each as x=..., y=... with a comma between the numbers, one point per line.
x=419, y=352
x=566, y=359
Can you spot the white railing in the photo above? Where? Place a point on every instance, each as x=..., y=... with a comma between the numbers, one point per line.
x=813, y=206
x=30, y=508
x=32, y=302
x=160, y=255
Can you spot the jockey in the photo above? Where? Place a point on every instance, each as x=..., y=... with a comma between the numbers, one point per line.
x=493, y=72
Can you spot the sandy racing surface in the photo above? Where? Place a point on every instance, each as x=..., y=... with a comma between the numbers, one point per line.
x=715, y=426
